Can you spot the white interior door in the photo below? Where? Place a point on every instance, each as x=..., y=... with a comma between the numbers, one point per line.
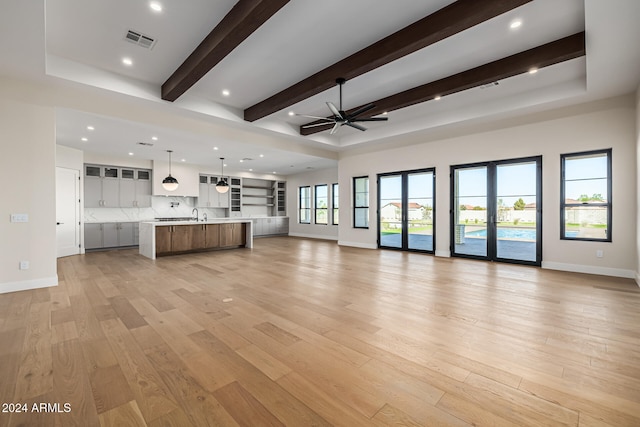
x=67, y=211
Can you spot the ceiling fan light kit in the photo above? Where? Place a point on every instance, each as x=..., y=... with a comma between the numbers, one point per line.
x=170, y=183
x=341, y=118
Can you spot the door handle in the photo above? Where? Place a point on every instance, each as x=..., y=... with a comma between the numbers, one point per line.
x=59, y=223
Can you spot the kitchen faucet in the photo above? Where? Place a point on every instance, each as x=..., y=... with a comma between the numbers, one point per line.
x=196, y=210
x=204, y=217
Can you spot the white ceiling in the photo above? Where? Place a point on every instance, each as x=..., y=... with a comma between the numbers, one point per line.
x=84, y=42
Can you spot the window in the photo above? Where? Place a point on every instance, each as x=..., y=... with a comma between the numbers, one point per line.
x=322, y=204
x=361, y=202
x=586, y=196
x=305, y=205
x=336, y=197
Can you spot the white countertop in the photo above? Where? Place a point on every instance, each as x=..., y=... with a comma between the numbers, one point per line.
x=209, y=221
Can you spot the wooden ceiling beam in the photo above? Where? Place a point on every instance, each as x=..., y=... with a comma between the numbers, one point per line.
x=241, y=21
x=561, y=50
x=446, y=22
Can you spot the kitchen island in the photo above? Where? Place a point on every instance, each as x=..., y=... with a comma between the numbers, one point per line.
x=159, y=238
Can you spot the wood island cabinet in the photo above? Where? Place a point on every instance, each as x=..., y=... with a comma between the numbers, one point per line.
x=233, y=234
x=172, y=239
x=163, y=240
x=212, y=236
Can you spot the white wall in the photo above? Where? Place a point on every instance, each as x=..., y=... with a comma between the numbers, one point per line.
x=27, y=168
x=294, y=182
x=609, y=123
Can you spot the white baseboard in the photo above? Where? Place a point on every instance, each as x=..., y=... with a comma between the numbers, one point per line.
x=637, y=278
x=358, y=244
x=25, y=285
x=313, y=236
x=444, y=254
x=590, y=269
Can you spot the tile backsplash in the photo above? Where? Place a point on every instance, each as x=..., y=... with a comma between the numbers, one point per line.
x=161, y=207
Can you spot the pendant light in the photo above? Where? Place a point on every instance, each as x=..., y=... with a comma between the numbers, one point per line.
x=222, y=186
x=170, y=183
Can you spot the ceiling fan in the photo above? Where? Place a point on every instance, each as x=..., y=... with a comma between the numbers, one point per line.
x=341, y=118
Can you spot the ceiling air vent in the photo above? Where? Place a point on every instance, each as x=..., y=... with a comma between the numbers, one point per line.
x=147, y=144
x=140, y=39
x=488, y=85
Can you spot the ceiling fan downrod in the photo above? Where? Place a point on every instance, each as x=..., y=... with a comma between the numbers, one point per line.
x=340, y=81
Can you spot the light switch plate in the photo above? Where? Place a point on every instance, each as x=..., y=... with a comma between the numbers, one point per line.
x=20, y=217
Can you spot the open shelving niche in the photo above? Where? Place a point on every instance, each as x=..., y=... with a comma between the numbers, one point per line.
x=263, y=197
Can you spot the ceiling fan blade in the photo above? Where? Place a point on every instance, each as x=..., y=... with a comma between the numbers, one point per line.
x=371, y=119
x=335, y=111
x=313, y=117
x=312, y=125
x=353, y=125
x=361, y=110
x=335, y=128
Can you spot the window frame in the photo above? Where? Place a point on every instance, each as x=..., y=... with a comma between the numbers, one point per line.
x=300, y=204
x=356, y=207
x=316, y=209
x=608, y=204
x=335, y=203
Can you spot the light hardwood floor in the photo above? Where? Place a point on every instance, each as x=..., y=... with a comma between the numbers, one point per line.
x=298, y=332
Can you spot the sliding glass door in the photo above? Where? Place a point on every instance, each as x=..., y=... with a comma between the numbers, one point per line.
x=406, y=210
x=497, y=210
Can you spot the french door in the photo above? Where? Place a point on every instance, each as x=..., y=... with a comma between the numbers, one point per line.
x=497, y=210
x=406, y=210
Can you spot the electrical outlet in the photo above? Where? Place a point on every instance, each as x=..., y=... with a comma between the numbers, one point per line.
x=24, y=265
x=599, y=253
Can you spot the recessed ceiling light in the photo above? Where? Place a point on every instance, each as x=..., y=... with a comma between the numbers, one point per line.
x=261, y=155
x=90, y=128
x=131, y=154
x=84, y=139
x=241, y=160
x=274, y=172
x=385, y=113
x=533, y=70
x=127, y=61
x=224, y=164
x=250, y=170
x=225, y=92
x=215, y=148
x=291, y=113
x=155, y=138
x=183, y=160
x=438, y=98
x=515, y=24
x=155, y=6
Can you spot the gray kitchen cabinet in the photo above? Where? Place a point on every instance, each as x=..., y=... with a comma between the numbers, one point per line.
x=113, y=187
x=126, y=234
x=270, y=226
x=110, y=235
x=101, y=187
x=208, y=196
x=92, y=236
x=135, y=188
